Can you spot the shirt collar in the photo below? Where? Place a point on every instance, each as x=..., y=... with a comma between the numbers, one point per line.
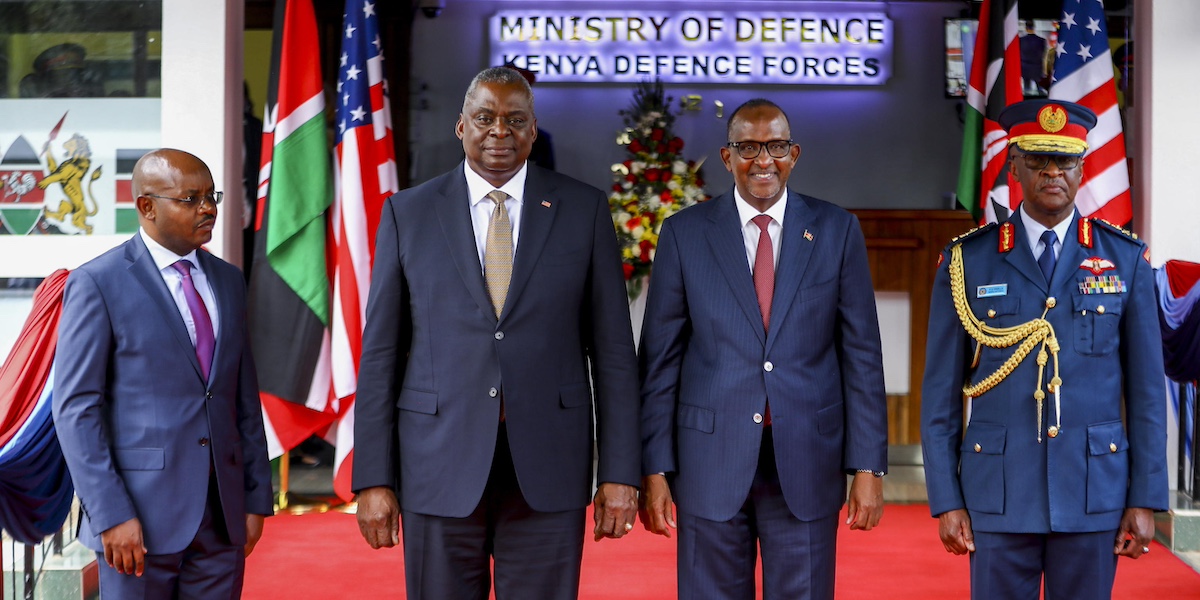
x=746, y=212
x=478, y=188
x=1035, y=229
x=164, y=258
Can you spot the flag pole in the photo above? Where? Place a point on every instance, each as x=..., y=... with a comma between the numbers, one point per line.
x=292, y=503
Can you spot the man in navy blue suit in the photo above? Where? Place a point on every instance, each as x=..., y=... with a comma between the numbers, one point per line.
x=497, y=326
x=156, y=399
x=1048, y=325
x=762, y=378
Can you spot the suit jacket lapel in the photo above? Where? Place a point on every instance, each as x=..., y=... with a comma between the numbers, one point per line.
x=454, y=214
x=223, y=295
x=536, y=220
x=143, y=269
x=729, y=252
x=1021, y=257
x=794, y=256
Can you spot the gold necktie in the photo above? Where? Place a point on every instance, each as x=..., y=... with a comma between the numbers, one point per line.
x=498, y=252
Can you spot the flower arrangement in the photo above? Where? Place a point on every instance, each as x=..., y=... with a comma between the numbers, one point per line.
x=653, y=183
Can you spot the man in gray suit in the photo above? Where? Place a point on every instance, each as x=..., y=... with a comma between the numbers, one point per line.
x=497, y=326
x=156, y=399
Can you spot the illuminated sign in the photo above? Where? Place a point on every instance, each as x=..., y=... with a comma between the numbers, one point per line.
x=811, y=47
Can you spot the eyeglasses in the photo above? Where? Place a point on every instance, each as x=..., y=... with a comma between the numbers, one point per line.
x=213, y=198
x=751, y=150
x=1037, y=162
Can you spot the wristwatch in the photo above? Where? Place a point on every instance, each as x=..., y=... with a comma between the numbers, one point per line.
x=875, y=473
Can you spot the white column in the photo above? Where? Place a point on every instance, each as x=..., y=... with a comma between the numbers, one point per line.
x=202, y=100
x=1167, y=204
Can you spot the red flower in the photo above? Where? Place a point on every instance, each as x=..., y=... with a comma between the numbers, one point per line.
x=631, y=178
x=646, y=248
x=652, y=174
x=628, y=164
x=628, y=268
x=657, y=134
x=676, y=145
x=616, y=187
x=635, y=146
x=666, y=197
x=633, y=223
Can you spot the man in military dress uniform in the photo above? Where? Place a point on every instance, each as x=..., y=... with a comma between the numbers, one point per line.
x=1047, y=325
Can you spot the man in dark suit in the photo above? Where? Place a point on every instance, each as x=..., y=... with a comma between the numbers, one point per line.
x=762, y=377
x=1051, y=321
x=156, y=400
x=497, y=308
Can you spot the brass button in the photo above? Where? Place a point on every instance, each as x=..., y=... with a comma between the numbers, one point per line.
x=1053, y=431
x=1100, y=309
x=991, y=313
x=978, y=448
x=1050, y=302
x=758, y=418
x=1112, y=447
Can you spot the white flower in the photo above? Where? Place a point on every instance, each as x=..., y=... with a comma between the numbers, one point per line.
x=679, y=167
x=673, y=184
x=637, y=234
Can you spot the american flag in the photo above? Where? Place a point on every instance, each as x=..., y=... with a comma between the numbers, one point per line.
x=364, y=177
x=1083, y=73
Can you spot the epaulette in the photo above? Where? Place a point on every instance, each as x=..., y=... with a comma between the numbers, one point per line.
x=1115, y=229
x=972, y=233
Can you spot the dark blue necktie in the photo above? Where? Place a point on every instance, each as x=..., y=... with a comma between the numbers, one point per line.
x=1046, y=260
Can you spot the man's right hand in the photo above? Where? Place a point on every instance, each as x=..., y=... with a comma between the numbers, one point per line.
x=124, y=549
x=955, y=529
x=655, y=512
x=379, y=517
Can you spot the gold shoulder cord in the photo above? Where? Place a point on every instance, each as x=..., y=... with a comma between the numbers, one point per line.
x=1027, y=334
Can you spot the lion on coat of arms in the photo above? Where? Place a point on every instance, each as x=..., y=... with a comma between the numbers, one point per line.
x=69, y=174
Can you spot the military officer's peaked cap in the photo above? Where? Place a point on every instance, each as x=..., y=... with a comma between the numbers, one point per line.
x=1048, y=126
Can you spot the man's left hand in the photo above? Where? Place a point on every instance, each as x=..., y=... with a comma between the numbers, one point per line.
x=865, y=506
x=615, y=508
x=254, y=529
x=1135, y=533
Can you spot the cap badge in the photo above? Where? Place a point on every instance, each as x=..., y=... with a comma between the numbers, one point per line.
x=1052, y=118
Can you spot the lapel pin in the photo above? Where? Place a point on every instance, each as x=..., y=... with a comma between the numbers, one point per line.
x=808, y=236
x=546, y=203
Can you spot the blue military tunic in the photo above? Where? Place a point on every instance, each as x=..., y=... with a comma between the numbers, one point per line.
x=1098, y=449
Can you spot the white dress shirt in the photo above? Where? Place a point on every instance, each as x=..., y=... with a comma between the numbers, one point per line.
x=482, y=206
x=163, y=259
x=750, y=231
x=1035, y=231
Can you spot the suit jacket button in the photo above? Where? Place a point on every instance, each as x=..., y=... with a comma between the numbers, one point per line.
x=758, y=418
x=768, y=367
x=1100, y=309
x=493, y=392
x=203, y=441
x=978, y=448
x=499, y=335
x=1112, y=447
x=208, y=395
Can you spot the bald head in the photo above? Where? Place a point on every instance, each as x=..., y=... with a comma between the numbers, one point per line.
x=162, y=180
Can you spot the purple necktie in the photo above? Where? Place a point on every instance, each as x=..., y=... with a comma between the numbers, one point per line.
x=205, y=341
x=764, y=280
x=764, y=270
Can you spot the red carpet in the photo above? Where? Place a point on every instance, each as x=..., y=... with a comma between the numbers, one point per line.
x=322, y=557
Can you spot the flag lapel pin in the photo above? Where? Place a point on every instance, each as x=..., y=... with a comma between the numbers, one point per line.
x=808, y=235
x=546, y=203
